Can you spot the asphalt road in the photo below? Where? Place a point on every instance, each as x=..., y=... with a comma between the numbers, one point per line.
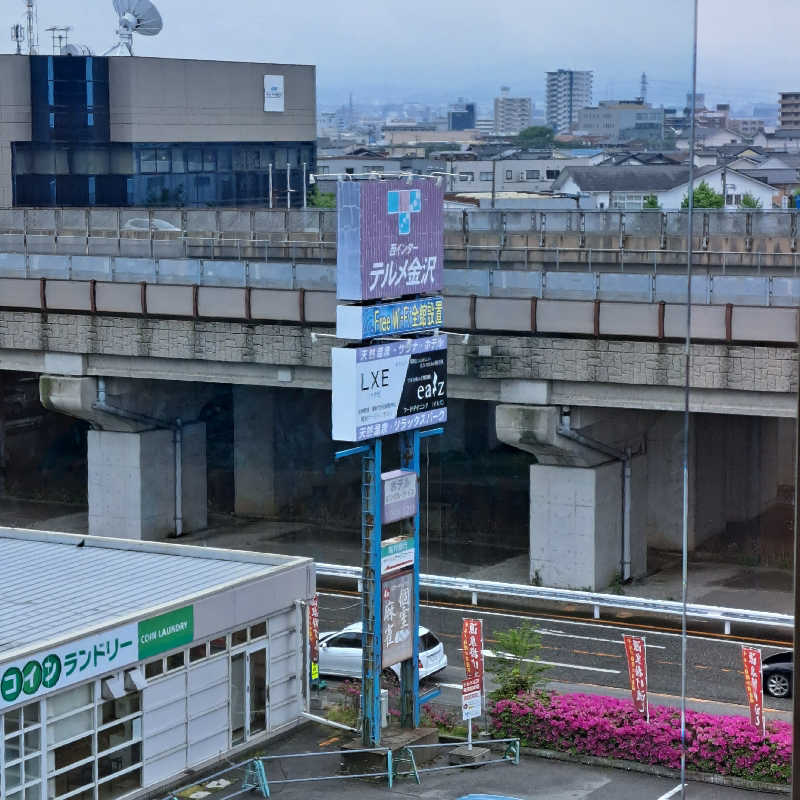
x=590, y=657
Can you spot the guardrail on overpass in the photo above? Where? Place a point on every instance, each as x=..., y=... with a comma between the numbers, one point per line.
x=475, y=588
x=752, y=239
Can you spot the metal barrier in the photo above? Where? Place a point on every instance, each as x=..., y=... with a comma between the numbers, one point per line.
x=251, y=775
x=727, y=616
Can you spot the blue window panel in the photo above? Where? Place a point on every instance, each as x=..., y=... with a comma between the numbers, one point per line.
x=92, y=192
x=89, y=93
x=90, y=120
x=52, y=120
x=51, y=93
x=50, y=75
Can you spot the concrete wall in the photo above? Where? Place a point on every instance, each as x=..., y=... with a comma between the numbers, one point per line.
x=15, y=116
x=177, y=100
x=254, y=451
x=576, y=525
x=131, y=483
x=580, y=365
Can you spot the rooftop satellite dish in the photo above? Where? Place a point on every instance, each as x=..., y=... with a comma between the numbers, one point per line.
x=135, y=16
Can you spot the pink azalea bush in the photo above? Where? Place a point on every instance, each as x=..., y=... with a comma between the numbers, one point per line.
x=611, y=728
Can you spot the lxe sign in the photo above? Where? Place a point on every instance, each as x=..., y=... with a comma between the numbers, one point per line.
x=389, y=388
x=389, y=239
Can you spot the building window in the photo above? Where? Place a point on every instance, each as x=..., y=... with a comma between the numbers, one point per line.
x=509, y=174
x=485, y=176
x=147, y=161
x=21, y=743
x=628, y=201
x=552, y=174
x=374, y=169
x=162, y=160
x=532, y=174
x=194, y=159
x=466, y=177
x=324, y=169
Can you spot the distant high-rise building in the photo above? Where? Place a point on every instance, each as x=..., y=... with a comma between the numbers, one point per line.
x=568, y=91
x=511, y=114
x=790, y=109
x=461, y=117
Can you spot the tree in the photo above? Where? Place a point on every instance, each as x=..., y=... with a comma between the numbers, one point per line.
x=651, y=201
x=704, y=197
x=750, y=201
x=519, y=669
x=535, y=136
x=318, y=199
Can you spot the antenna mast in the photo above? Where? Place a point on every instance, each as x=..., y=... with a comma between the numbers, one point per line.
x=32, y=24
x=60, y=37
x=643, y=89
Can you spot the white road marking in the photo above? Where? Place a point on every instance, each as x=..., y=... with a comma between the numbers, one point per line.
x=588, y=624
x=493, y=654
x=546, y=632
x=672, y=792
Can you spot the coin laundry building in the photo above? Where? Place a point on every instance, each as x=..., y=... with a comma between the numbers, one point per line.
x=125, y=663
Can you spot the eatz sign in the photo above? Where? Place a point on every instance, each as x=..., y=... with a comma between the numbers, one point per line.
x=389, y=239
x=388, y=388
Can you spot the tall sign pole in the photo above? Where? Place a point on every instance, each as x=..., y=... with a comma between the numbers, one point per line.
x=392, y=379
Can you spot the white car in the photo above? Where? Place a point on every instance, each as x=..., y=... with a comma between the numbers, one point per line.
x=340, y=653
x=143, y=224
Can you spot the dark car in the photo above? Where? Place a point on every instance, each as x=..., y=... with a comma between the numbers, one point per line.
x=777, y=674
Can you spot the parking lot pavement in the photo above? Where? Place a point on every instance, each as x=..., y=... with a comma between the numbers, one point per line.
x=532, y=778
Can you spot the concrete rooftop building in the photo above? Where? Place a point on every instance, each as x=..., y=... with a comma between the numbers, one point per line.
x=112, y=131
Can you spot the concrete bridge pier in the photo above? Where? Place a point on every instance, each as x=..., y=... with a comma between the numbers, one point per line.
x=254, y=451
x=146, y=467
x=588, y=499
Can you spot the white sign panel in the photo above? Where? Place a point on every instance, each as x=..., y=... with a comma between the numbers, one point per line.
x=273, y=93
x=68, y=664
x=388, y=388
x=397, y=553
x=470, y=703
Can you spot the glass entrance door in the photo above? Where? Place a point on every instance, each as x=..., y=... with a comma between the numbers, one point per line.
x=257, y=672
x=248, y=693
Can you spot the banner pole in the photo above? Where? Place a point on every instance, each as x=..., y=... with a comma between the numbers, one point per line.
x=647, y=696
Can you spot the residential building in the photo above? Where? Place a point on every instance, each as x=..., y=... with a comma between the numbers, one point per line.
x=707, y=137
x=511, y=114
x=461, y=117
x=717, y=118
x=114, y=131
x=625, y=188
x=622, y=121
x=789, y=109
x=747, y=126
x=485, y=127
x=567, y=92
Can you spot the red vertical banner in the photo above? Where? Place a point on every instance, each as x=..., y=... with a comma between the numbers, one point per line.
x=636, y=651
x=472, y=647
x=313, y=635
x=751, y=658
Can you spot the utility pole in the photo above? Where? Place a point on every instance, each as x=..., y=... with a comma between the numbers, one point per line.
x=796, y=639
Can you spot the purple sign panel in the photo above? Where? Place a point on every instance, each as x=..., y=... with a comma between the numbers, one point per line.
x=389, y=239
x=399, y=495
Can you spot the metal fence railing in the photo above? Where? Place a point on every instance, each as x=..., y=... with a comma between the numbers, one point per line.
x=597, y=601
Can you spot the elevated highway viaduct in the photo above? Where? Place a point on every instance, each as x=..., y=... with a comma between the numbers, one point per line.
x=566, y=376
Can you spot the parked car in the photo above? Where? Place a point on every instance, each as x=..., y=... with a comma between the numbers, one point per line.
x=776, y=674
x=340, y=653
x=143, y=224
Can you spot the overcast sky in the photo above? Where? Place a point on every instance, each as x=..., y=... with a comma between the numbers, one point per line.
x=437, y=50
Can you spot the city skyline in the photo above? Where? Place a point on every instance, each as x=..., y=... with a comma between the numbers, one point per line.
x=437, y=68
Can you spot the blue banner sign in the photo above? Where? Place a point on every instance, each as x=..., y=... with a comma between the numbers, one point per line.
x=388, y=319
